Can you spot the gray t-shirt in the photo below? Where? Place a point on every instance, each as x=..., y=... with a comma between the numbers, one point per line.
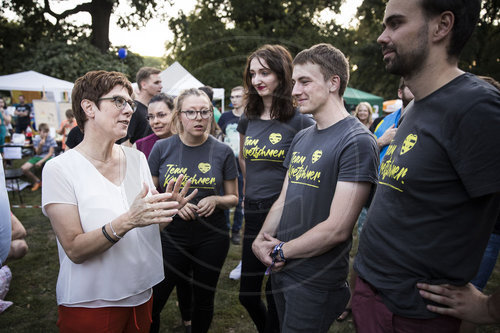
x=316, y=161
x=265, y=149
x=207, y=165
x=438, y=196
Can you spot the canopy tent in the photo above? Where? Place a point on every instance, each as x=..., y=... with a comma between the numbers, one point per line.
x=392, y=105
x=34, y=81
x=176, y=78
x=354, y=97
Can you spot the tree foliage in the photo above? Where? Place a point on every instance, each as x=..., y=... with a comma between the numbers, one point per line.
x=61, y=56
x=482, y=54
x=366, y=57
x=34, y=11
x=59, y=48
x=69, y=61
x=214, y=40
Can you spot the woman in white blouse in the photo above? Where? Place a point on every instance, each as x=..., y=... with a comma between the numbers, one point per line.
x=105, y=212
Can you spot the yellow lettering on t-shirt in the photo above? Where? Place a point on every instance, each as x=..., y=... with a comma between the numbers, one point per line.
x=297, y=158
x=173, y=171
x=174, y=168
x=251, y=142
x=303, y=175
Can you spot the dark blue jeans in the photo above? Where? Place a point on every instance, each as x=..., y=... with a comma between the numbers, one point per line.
x=238, y=210
x=488, y=263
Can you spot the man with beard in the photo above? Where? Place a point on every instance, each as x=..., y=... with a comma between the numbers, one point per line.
x=439, y=186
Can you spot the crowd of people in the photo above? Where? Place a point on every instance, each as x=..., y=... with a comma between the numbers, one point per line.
x=140, y=199
x=13, y=243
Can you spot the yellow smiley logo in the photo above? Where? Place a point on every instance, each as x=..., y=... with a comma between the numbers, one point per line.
x=274, y=138
x=316, y=155
x=409, y=143
x=204, y=167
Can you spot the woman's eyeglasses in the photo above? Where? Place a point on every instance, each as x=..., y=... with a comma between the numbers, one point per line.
x=159, y=115
x=192, y=114
x=120, y=102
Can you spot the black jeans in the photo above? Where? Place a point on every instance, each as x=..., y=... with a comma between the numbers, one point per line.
x=194, y=249
x=252, y=270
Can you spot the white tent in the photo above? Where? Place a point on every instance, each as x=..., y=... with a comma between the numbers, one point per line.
x=176, y=78
x=33, y=81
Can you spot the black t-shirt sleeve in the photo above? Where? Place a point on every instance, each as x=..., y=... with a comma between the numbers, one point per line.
x=75, y=136
x=473, y=148
x=242, y=124
x=132, y=127
x=154, y=159
x=222, y=121
x=139, y=125
x=304, y=121
x=375, y=124
x=230, y=169
x=359, y=160
x=286, y=162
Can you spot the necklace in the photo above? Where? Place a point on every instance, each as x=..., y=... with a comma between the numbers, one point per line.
x=93, y=158
x=105, y=170
x=194, y=142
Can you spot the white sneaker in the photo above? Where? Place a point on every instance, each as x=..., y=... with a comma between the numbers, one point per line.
x=4, y=305
x=236, y=273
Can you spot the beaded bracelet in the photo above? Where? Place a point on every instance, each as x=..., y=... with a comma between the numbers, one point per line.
x=280, y=251
x=108, y=237
x=113, y=231
x=277, y=251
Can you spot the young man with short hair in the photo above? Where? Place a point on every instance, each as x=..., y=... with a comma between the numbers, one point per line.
x=66, y=126
x=439, y=188
x=22, y=112
x=331, y=168
x=149, y=84
x=228, y=122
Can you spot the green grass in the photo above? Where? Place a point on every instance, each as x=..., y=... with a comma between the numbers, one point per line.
x=34, y=280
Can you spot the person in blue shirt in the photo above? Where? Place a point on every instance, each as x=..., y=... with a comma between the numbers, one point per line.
x=44, y=147
x=386, y=128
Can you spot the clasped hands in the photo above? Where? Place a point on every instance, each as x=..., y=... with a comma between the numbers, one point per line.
x=204, y=208
x=263, y=246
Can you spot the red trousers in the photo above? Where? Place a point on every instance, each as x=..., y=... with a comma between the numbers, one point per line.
x=106, y=319
x=372, y=316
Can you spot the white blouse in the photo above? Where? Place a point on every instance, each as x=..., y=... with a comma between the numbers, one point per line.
x=124, y=274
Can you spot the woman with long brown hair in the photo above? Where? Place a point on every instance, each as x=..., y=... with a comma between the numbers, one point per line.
x=266, y=131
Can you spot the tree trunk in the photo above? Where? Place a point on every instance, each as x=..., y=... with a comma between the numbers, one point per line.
x=101, y=11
